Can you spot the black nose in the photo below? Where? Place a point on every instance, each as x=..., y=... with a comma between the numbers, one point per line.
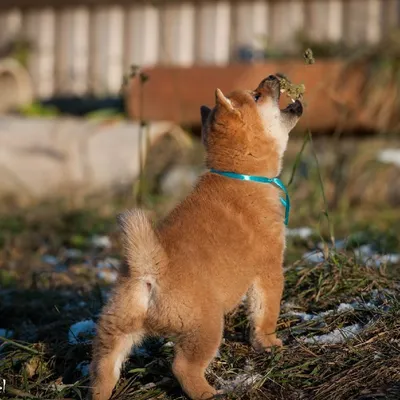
x=271, y=86
x=272, y=82
x=272, y=78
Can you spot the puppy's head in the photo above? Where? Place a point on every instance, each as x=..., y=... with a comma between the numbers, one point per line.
x=247, y=132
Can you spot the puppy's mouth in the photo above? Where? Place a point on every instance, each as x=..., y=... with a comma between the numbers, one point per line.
x=273, y=83
x=295, y=108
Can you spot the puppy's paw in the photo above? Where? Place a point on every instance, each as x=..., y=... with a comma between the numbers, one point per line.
x=266, y=343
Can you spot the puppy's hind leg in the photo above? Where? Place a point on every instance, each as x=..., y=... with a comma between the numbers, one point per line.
x=120, y=327
x=194, y=352
x=264, y=303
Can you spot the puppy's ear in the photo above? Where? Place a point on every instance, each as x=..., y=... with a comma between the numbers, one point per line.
x=204, y=112
x=223, y=101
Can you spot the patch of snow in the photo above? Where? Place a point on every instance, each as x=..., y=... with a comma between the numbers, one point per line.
x=108, y=269
x=364, y=251
x=377, y=260
x=371, y=258
x=51, y=260
x=101, y=242
x=106, y=293
x=288, y=306
x=340, y=244
x=337, y=336
x=389, y=156
x=381, y=295
x=302, y=232
x=82, y=332
x=109, y=262
x=113, y=262
x=303, y=316
x=83, y=368
x=344, y=307
x=73, y=253
x=241, y=382
x=107, y=275
x=314, y=257
x=6, y=333
x=249, y=366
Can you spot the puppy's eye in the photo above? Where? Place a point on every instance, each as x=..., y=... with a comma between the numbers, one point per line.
x=256, y=96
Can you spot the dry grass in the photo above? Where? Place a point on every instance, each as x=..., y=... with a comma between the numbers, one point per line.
x=40, y=303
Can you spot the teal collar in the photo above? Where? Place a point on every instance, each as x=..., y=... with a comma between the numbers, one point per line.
x=261, y=179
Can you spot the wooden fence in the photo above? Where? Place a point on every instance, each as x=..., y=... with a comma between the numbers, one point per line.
x=86, y=46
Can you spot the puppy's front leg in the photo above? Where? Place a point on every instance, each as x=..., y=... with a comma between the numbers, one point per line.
x=264, y=301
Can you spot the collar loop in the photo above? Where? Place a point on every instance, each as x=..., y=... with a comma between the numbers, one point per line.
x=261, y=179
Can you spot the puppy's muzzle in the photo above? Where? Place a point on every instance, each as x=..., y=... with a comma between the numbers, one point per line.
x=295, y=108
x=271, y=83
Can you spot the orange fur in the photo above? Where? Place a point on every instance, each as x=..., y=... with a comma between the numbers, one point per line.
x=224, y=240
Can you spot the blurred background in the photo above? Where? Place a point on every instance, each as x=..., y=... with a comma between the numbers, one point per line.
x=158, y=61
x=70, y=68
x=99, y=111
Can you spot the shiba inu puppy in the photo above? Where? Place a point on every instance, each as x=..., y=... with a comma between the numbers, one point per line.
x=225, y=240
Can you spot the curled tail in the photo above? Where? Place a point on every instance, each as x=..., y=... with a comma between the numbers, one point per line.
x=144, y=253
x=122, y=323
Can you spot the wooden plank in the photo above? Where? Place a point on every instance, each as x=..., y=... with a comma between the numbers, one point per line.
x=177, y=44
x=97, y=50
x=39, y=26
x=251, y=25
x=334, y=21
x=184, y=34
x=115, y=49
x=71, y=51
x=317, y=17
x=10, y=25
x=79, y=54
x=106, y=61
x=286, y=20
x=214, y=29
x=260, y=23
x=277, y=36
x=133, y=37
x=297, y=18
x=62, y=51
x=142, y=36
x=355, y=27
x=374, y=21
x=390, y=15
x=7, y=4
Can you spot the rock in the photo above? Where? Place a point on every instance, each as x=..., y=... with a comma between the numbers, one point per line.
x=72, y=157
x=15, y=85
